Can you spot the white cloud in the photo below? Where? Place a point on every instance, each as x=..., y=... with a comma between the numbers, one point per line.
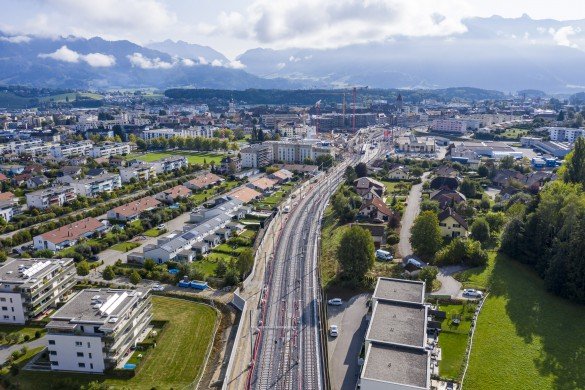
x=140, y=61
x=16, y=39
x=280, y=65
x=333, y=23
x=96, y=60
x=187, y=62
x=236, y=64
x=561, y=36
x=203, y=61
x=216, y=62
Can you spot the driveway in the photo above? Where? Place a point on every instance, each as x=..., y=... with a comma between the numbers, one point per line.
x=410, y=212
x=6, y=351
x=449, y=285
x=344, y=350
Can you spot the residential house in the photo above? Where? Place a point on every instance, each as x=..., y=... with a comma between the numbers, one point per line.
x=69, y=235
x=139, y=171
x=245, y=194
x=449, y=182
x=399, y=173
x=49, y=197
x=363, y=185
x=230, y=165
x=36, y=182
x=378, y=232
x=281, y=176
x=204, y=181
x=170, y=164
x=262, y=184
x=174, y=194
x=93, y=186
x=503, y=177
x=375, y=209
x=131, y=211
x=452, y=224
x=447, y=197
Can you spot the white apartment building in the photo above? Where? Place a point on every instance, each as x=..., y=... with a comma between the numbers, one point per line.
x=80, y=148
x=564, y=134
x=30, y=286
x=93, y=186
x=256, y=156
x=291, y=152
x=110, y=149
x=7, y=210
x=96, y=329
x=196, y=131
x=170, y=164
x=31, y=147
x=449, y=126
x=54, y=196
x=140, y=171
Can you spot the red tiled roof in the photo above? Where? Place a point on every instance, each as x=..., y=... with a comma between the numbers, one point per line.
x=204, y=180
x=73, y=231
x=4, y=196
x=245, y=194
x=178, y=191
x=136, y=207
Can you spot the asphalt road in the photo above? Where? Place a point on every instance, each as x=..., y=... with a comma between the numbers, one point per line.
x=344, y=349
x=410, y=212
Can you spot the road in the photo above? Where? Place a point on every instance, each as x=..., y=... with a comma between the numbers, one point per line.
x=410, y=212
x=344, y=349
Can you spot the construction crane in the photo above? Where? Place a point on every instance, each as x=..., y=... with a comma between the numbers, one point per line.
x=318, y=108
x=354, y=103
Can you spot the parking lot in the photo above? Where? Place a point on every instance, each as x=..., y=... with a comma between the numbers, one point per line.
x=344, y=349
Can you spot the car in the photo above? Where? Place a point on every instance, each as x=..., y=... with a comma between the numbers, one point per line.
x=335, y=302
x=333, y=331
x=158, y=287
x=469, y=292
x=161, y=226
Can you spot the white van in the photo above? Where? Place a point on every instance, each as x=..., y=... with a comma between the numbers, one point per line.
x=383, y=255
x=286, y=209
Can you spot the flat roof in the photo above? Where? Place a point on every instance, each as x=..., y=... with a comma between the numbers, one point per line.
x=398, y=323
x=393, y=364
x=400, y=290
x=27, y=270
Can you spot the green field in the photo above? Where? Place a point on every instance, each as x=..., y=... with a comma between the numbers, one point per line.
x=514, y=133
x=125, y=246
x=71, y=97
x=176, y=362
x=453, y=339
x=526, y=338
x=331, y=234
x=154, y=232
x=192, y=157
x=22, y=330
x=205, y=195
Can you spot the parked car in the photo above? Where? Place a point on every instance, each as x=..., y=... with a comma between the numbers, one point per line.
x=335, y=302
x=158, y=287
x=383, y=255
x=469, y=292
x=162, y=226
x=333, y=331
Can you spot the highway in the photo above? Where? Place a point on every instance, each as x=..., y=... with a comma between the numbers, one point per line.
x=287, y=350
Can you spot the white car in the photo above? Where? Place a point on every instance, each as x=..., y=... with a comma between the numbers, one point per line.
x=162, y=226
x=158, y=287
x=469, y=292
x=335, y=302
x=333, y=331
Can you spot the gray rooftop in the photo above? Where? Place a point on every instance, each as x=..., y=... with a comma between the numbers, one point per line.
x=21, y=271
x=398, y=323
x=400, y=290
x=403, y=365
x=99, y=307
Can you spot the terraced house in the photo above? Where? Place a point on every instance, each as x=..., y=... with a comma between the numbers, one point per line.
x=94, y=330
x=28, y=287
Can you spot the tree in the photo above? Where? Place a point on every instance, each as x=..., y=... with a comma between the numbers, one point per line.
x=149, y=264
x=324, y=160
x=350, y=175
x=460, y=251
x=507, y=162
x=245, y=262
x=108, y=273
x=480, y=230
x=231, y=277
x=574, y=171
x=425, y=235
x=361, y=170
x=416, y=172
x=467, y=188
x=496, y=220
x=428, y=275
x=135, y=277
x=483, y=171
x=83, y=268
x=356, y=254
x=221, y=269
x=429, y=205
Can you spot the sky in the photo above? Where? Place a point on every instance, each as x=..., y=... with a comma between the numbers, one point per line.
x=234, y=26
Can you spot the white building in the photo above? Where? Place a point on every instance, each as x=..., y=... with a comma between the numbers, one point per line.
x=166, y=133
x=7, y=210
x=54, y=196
x=80, y=148
x=170, y=164
x=291, y=152
x=449, y=126
x=30, y=286
x=564, y=134
x=93, y=186
x=111, y=149
x=140, y=171
x=96, y=329
x=256, y=156
x=69, y=235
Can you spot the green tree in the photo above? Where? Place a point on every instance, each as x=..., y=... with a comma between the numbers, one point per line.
x=462, y=251
x=350, y=175
x=574, y=170
x=245, y=262
x=356, y=254
x=425, y=235
x=83, y=268
x=108, y=273
x=507, y=162
x=429, y=205
x=361, y=170
x=480, y=230
x=135, y=277
x=483, y=171
x=468, y=188
x=496, y=220
x=149, y=264
x=428, y=275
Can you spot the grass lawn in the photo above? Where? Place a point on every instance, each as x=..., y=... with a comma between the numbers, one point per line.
x=249, y=234
x=397, y=187
x=176, y=362
x=514, y=133
x=526, y=338
x=23, y=330
x=330, y=236
x=203, y=196
x=154, y=232
x=453, y=339
x=125, y=246
x=192, y=157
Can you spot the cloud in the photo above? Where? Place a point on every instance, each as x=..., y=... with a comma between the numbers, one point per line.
x=216, y=62
x=236, y=64
x=96, y=60
x=561, y=36
x=16, y=39
x=140, y=61
x=203, y=61
x=333, y=23
x=280, y=65
x=187, y=62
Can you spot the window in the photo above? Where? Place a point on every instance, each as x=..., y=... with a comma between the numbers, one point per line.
x=51, y=342
x=88, y=345
x=81, y=365
x=53, y=353
x=91, y=365
x=79, y=354
x=2, y=299
x=53, y=363
x=90, y=355
x=6, y=317
x=4, y=308
x=78, y=343
x=82, y=328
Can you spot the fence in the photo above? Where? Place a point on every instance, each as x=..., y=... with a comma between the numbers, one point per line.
x=470, y=343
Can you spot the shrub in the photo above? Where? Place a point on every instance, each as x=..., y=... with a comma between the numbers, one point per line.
x=461, y=251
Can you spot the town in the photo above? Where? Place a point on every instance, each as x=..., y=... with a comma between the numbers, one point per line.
x=350, y=243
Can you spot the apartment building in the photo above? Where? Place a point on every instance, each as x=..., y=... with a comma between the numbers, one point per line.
x=95, y=329
x=81, y=148
x=564, y=134
x=93, y=186
x=195, y=131
x=291, y=152
x=32, y=148
x=131, y=211
x=6, y=210
x=449, y=126
x=170, y=164
x=256, y=156
x=69, y=235
x=272, y=120
x=140, y=171
x=110, y=149
x=48, y=197
x=30, y=286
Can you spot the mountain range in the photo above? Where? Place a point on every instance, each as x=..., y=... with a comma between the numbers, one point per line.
x=494, y=53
